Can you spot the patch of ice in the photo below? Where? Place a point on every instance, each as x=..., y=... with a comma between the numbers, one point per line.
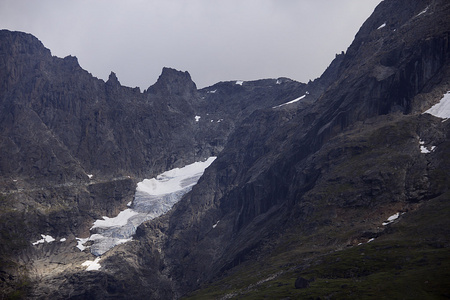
x=175, y=179
x=92, y=265
x=391, y=219
x=38, y=242
x=81, y=242
x=424, y=149
x=423, y=11
x=63, y=240
x=197, y=118
x=120, y=220
x=382, y=25
x=102, y=243
x=290, y=102
x=45, y=238
x=239, y=82
x=441, y=109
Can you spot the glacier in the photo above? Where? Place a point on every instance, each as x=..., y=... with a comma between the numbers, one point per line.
x=153, y=197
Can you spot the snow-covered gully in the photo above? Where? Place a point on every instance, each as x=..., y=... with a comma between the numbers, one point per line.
x=153, y=198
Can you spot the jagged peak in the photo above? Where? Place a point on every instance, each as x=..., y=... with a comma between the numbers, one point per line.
x=112, y=79
x=71, y=60
x=170, y=72
x=173, y=81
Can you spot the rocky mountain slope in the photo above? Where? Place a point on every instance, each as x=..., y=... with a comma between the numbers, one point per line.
x=73, y=146
x=340, y=194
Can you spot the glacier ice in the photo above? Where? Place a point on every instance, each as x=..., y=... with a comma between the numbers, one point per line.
x=153, y=197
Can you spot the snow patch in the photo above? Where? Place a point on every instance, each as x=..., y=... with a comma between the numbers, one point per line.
x=423, y=11
x=81, y=242
x=92, y=265
x=391, y=219
x=174, y=180
x=197, y=118
x=121, y=219
x=129, y=203
x=90, y=176
x=278, y=81
x=239, y=82
x=45, y=238
x=290, y=102
x=441, y=109
x=424, y=149
x=382, y=25
x=212, y=92
x=215, y=225
x=63, y=240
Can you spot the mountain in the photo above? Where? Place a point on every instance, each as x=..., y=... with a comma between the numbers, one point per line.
x=334, y=189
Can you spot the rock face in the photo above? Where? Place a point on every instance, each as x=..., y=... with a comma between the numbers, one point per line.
x=73, y=146
x=301, y=190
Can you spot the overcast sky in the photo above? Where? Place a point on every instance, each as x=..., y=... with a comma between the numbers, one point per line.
x=213, y=40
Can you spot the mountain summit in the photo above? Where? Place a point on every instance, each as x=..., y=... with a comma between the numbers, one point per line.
x=334, y=189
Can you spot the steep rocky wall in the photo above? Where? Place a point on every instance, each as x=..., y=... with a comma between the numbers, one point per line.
x=270, y=163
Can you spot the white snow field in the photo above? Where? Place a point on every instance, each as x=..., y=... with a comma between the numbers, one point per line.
x=441, y=109
x=391, y=219
x=45, y=238
x=92, y=265
x=424, y=149
x=290, y=102
x=382, y=25
x=153, y=198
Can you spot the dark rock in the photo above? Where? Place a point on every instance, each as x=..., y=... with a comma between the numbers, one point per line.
x=301, y=283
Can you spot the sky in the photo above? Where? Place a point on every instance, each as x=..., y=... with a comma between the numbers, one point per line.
x=213, y=40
